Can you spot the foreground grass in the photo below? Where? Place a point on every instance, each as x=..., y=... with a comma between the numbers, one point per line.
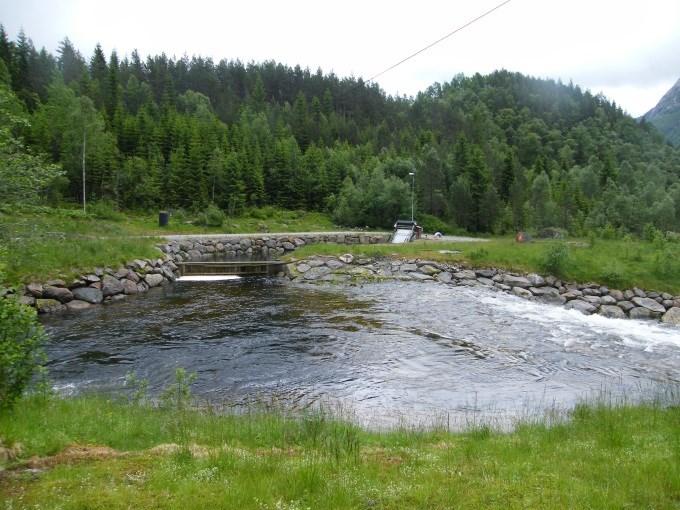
x=604, y=457
x=46, y=243
x=619, y=264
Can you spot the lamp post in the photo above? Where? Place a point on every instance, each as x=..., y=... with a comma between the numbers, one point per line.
x=413, y=187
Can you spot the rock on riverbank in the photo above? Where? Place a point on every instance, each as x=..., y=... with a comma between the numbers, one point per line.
x=588, y=298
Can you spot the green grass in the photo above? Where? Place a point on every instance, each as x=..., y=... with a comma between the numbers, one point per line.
x=45, y=242
x=619, y=264
x=603, y=457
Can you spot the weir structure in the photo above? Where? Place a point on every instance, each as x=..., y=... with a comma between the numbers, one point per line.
x=232, y=268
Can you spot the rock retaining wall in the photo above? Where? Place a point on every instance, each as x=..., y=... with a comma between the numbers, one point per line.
x=587, y=298
x=108, y=285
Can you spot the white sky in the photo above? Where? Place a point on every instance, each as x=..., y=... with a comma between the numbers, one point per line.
x=627, y=49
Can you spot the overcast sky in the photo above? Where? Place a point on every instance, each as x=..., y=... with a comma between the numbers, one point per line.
x=627, y=49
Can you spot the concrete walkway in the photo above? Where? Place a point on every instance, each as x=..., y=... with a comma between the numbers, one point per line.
x=428, y=237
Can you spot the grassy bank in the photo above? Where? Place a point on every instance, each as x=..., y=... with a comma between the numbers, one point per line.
x=47, y=242
x=619, y=264
x=130, y=455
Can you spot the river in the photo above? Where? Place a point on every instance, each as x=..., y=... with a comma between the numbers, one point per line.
x=382, y=353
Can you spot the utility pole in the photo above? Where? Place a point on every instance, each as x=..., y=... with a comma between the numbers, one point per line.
x=413, y=187
x=84, y=200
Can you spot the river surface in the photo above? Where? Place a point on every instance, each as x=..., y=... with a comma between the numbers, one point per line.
x=382, y=353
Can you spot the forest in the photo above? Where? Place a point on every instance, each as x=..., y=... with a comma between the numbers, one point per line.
x=493, y=153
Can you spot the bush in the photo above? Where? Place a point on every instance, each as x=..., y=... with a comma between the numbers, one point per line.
x=432, y=224
x=213, y=216
x=21, y=355
x=554, y=261
x=105, y=210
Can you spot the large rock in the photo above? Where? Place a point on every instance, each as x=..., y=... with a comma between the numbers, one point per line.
x=334, y=264
x=35, y=289
x=640, y=312
x=521, y=292
x=572, y=294
x=302, y=267
x=153, y=280
x=420, y=276
x=536, y=280
x=650, y=304
x=315, y=273
x=612, y=311
x=672, y=316
x=48, y=306
x=347, y=258
x=485, y=273
x=616, y=294
x=111, y=286
x=516, y=281
x=626, y=306
x=444, y=277
x=465, y=274
x=406, y=268
x=61, y=294
x=608, y=300
x=88, y=294
x=77, y=305
x=581, y=306
x=429, y=270
x=129, y=287
x=549, y=294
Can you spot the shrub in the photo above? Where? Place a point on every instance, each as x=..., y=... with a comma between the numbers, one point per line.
x=21, y=355
x=432, y=224
x=554, y=261
x=213, y=216
x=105, y=210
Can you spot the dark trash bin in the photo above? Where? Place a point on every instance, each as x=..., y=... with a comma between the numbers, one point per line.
x=163, y=218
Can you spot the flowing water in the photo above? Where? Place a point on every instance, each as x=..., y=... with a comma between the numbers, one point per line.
x=387, y=353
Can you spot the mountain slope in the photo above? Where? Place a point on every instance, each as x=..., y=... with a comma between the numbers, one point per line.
x=666, y=114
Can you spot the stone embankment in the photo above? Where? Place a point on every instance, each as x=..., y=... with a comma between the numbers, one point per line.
x=589, y=298
x=108, y=285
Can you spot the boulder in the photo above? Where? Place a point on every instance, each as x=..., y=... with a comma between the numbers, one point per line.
x=485, y=273
x=628, y=294
x=35, y=289
x=672, y=316
x=521, y=292
x=536, y=280
x=316, y=262
x=315, y=273
x=486, y=281
x=61, y=294
x=639, y=292
x=288, y=246
x=572, y=294
x=132, y=276
x=347, y=258
x=420, y=276
x=129, y=287
x=626, y=306
x=429, y=270
x=666, y=296
x=153, y=280
x=57, y=282
x=27, y=300
x=88, y=294
x=49, y=306
x=649, y=303
x=516, y=281
x=444, y=277
x=91, y=278
x=334, y=264
x=640, y=312
x=77, y=305
x=303, y=267
x=465, y=274
x=593, y=300
x=592, y=292
x=608, y=300
x=122, y=272
x=111, y=286
x=612, y=311
x=549, y=294
x=617, y=294
x=581, y=306
x=408, y=268
x=245, y=243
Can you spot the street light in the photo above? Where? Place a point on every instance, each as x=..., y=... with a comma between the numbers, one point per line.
x=413, y=187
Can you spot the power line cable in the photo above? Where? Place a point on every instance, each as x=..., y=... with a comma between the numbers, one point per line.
x=462, y=27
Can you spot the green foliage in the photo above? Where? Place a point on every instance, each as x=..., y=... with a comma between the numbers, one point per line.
x=432, y=224
x=21, y=340
x=105, y=210
x=213, y=216
x=555, y=259
x=178, y=394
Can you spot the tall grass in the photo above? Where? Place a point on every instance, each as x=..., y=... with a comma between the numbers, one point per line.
x=603, y=456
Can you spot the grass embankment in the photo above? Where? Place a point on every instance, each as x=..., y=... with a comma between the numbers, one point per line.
x=603, y=457
x=619, y=264
x=45, y=242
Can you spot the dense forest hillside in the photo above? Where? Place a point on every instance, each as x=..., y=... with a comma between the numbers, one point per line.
x=666, y=114
x=490, y=153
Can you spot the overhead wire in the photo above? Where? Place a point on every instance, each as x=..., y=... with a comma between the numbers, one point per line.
x=453, y=32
